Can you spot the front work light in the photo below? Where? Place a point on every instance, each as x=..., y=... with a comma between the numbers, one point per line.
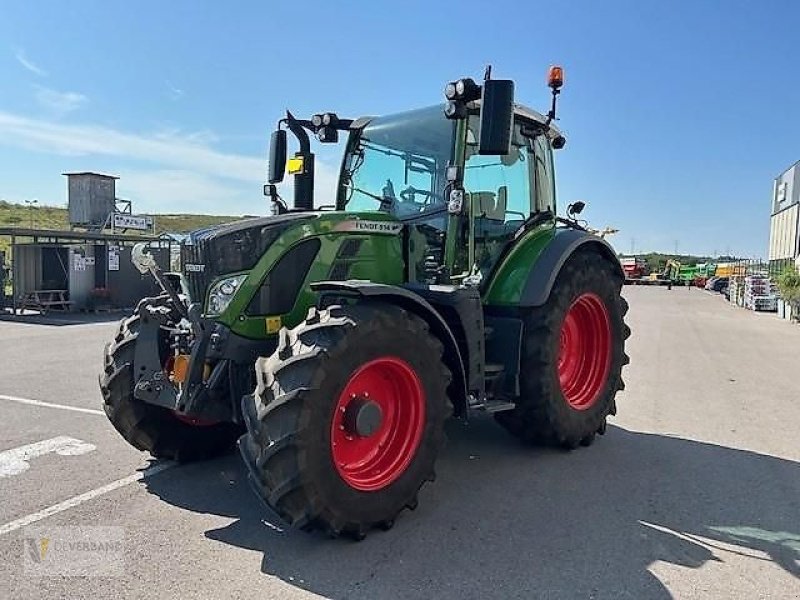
x=467, y=90
x=464, y=90
x=455, y=110
x=327, y=135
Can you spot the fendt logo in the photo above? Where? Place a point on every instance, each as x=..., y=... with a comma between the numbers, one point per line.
x=191, y=268
x=388, y=227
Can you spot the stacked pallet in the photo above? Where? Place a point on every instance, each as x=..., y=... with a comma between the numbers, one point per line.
x=760, y=293
x=736, y=290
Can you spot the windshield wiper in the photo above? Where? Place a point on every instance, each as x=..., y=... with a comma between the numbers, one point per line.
x=386, y=201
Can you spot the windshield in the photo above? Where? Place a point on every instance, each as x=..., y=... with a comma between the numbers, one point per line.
x=397, y=164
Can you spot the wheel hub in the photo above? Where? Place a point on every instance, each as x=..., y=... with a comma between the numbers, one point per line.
x=377, y=423
x=362, y=417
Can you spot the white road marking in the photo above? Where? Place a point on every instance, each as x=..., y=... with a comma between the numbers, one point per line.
x=15, y=461
x=91, y=411
x=85, y=497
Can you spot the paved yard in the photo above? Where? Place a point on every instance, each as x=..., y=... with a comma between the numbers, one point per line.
x=693, y=493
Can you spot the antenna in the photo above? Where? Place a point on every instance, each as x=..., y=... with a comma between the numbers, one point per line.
x=487, y=74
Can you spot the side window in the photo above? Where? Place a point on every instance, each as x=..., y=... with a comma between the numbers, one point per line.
x=500, y=187
x=545, y=180
x=501, y=191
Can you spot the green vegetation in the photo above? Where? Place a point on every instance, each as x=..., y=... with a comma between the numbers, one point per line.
x=789, y=285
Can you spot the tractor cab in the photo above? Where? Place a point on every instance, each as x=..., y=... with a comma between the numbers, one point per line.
x=463, y=181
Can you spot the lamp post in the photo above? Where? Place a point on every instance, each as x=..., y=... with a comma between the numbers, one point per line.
x=31, y=204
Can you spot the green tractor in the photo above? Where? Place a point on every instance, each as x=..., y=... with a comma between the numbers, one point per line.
x=337, y=340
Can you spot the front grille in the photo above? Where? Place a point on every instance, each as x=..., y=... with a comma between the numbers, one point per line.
x=195, y=271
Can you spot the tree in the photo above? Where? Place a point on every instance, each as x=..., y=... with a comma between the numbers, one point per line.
x=789, y=286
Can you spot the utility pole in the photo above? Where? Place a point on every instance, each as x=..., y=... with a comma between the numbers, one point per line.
x=31, y=204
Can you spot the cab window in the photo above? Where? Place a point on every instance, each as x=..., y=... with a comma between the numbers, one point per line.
x=501, y=193
x=545, y=180
x=500, y=187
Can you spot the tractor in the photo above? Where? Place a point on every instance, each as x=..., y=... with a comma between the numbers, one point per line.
x=334, y=341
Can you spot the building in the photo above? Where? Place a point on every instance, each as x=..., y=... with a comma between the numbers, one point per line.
x=784, y=231
x=85, y=267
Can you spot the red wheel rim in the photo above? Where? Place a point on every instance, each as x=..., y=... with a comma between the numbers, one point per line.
x=584, y=356
x=387, y=395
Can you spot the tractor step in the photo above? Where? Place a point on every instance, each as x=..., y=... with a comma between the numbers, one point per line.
x=494, y=406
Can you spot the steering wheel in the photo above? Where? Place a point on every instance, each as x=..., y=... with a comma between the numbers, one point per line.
x=408, y=195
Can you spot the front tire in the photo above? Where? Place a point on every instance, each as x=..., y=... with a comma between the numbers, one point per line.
x=147, y=427
x=572, y=357
x=347, y=419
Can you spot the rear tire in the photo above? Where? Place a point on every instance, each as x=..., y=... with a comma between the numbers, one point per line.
x=148, y=427
x=308, y=458
x=573, y=351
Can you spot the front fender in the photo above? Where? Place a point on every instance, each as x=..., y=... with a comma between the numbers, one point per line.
x=416, y=304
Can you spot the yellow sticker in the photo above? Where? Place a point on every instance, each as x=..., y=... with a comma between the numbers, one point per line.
x=273, y=324
x=294, y=165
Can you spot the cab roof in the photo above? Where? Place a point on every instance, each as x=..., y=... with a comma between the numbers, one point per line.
x=519, y=109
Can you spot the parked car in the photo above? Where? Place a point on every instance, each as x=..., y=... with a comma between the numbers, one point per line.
x=715, y=284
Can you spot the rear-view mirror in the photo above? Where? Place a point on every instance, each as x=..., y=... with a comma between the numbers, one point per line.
x=277, y=156
x=497, y=114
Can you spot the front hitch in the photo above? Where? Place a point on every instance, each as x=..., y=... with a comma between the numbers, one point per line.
x=153, y=384
x=145, y=263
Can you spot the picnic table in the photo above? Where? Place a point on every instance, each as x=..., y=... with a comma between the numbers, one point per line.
x=44, y=300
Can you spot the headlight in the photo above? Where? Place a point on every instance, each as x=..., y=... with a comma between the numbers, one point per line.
x=222, y=293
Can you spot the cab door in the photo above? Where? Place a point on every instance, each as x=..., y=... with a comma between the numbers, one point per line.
x=500, y=193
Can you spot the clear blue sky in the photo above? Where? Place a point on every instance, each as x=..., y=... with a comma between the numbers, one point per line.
x=678, y=114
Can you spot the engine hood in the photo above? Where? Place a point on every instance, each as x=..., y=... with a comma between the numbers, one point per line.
x=231, y=248
x=247, y=224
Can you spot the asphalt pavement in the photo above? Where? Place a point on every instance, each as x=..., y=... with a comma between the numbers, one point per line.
x=694, y=492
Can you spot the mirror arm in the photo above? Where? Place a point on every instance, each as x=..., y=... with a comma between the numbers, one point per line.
x=296, y=127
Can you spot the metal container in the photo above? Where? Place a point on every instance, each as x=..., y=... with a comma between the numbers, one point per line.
x=91, y=198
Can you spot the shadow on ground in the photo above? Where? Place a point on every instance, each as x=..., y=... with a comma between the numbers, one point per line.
x=63, y=319
x=506, y=521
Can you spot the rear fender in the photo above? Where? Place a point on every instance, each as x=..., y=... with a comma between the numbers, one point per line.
x=564, y=244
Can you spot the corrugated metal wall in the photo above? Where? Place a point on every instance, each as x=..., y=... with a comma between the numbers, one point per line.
x=91, y=198
x=783, y=233
x=27, y=269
